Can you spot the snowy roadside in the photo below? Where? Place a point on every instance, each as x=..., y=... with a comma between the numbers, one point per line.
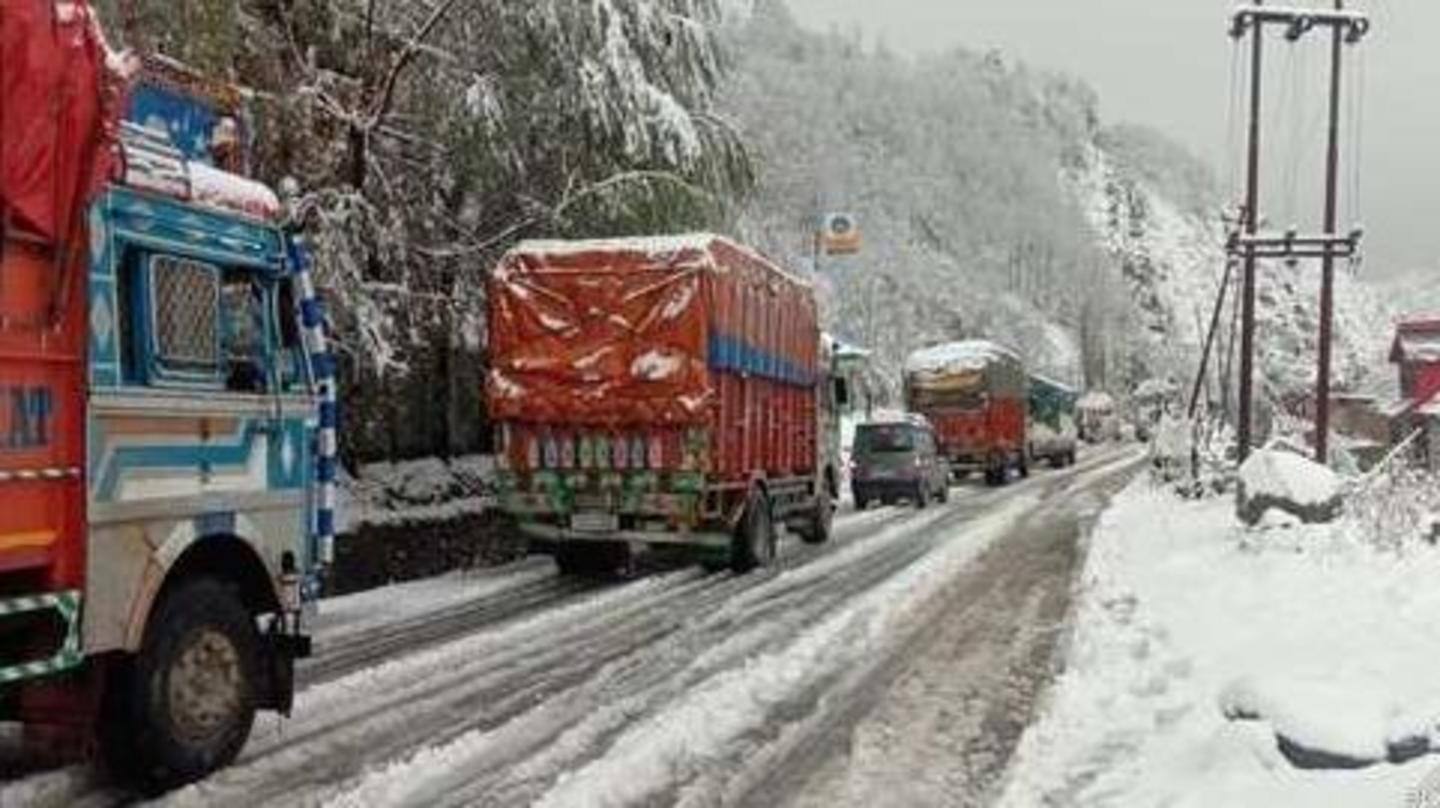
x=1316, y=633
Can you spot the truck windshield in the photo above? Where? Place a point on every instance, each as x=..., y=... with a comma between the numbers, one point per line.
x=883, y=439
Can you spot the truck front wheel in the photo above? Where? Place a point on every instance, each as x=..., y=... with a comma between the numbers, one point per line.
x=189, y=701
x=754, y=542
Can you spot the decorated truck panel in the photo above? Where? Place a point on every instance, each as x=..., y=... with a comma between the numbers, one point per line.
x=975, y=393
x=167, y=428
x=1053, y=429
x=659, y=391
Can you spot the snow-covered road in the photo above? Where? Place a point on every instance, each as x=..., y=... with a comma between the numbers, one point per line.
x=905, y=652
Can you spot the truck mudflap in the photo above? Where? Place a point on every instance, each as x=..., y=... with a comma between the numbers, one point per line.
x=66, y=653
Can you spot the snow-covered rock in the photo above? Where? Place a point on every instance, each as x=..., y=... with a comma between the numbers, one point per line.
x=1275, y=478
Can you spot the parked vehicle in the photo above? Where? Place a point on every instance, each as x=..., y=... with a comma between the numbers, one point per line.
x=1052, y=430
x=160, y=501
x=660, y=391
x=898, y=459
x=975, y=394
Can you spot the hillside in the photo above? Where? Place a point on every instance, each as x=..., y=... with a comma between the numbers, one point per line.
x=995, y=202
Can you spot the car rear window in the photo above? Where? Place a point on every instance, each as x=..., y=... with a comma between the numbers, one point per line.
x=887, y=438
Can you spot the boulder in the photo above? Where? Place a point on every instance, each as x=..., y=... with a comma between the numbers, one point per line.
x=1280, y=479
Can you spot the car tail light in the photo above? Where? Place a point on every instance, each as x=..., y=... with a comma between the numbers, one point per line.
x=657, y=451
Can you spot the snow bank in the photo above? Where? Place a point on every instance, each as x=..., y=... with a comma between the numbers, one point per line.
x=1188, y=621
x=1096, y=400
x=957, y=357
x=429, y=489
x=1276, y=478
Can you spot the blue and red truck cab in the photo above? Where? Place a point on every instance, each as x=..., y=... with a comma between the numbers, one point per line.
x=166, y=409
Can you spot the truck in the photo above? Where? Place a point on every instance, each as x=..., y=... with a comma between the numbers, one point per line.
x=1052, y=426
x=167, y=428
x=660, y=391
x=975, y=393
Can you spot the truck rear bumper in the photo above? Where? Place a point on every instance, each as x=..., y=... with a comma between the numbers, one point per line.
x=556, y=535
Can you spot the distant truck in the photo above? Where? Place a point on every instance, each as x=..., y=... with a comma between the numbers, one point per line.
x=164, y=428
x=660, y=391
x=1052, y=429
x=1097, y=416
x=975, y=393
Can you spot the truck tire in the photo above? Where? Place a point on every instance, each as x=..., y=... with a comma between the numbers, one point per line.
x=188, y=703
x=817, y=531
x=995, y=476
x=754, y=542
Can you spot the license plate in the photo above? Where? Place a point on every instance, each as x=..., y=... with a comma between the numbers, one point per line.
x=594, y=522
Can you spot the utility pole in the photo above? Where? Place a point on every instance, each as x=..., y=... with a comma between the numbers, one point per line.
x=1251, y=225
x=1327, y=269
x=1346, y=27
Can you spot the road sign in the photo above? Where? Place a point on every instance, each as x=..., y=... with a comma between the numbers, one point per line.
x=840, y=234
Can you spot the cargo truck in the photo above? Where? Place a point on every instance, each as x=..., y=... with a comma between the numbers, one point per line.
x=975, y=394
x=166, y=410
x=1052, y=427
x=661, y=391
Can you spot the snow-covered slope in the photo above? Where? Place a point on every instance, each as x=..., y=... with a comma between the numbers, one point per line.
x=1172, y=262
x=994, y=203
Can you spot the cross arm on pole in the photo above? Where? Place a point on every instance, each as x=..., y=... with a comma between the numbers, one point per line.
x=1293, y=245
x=1299, y=21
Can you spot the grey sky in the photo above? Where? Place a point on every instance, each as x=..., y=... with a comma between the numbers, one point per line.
x=1167, y=63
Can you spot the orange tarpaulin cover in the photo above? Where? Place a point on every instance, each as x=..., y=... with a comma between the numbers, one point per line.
x=56, y=107
x=601, y=336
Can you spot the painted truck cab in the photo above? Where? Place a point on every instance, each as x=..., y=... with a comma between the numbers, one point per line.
x=167, y=412
x=201, y=419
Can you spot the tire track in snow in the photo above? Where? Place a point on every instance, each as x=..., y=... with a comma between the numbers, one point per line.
x=479, y=681
x=474, y=770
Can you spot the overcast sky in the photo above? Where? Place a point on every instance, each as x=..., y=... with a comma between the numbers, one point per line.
x=1167, y=63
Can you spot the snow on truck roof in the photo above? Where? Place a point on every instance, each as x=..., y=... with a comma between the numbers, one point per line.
x=647, y=245
x=952, y=357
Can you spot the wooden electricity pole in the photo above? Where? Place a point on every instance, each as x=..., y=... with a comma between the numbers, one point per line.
x=1346, y=27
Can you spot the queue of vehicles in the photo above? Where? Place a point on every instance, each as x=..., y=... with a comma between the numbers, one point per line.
x=167, y=454
x=971, y=407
